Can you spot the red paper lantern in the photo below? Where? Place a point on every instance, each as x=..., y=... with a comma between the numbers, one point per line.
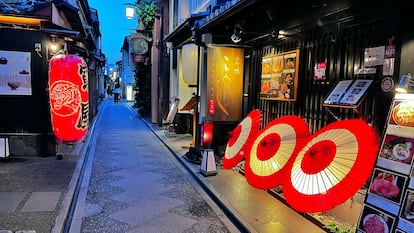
x=68, y=96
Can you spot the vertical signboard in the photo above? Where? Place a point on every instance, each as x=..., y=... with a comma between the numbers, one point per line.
x=224, y=84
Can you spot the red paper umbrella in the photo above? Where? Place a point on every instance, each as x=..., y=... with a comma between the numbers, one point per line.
x=332, y=166
x=273, y=148
x=240, y=139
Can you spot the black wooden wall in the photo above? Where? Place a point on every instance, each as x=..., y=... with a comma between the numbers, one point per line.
x=26, y=114
x=342, y=46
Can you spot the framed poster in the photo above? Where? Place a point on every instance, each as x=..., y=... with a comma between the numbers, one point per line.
x=279, y=77
x=15, y=73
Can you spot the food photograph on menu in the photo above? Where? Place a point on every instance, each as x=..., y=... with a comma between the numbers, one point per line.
x=402, y=113
x=399, y=231
x=356, y=92
x=266, y=67
x=373, y=220
x=407, y=212
x=279, y=76
x=411, y=183
x=340, y=89
x=387, y=185
x=396, y=153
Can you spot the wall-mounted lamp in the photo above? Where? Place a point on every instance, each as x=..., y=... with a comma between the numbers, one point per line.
x=54, y=47
x=237, y=33
x=405, y=84
x=53, y=44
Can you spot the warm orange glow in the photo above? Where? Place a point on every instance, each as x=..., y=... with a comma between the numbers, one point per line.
x=53, y=47
x=189, y=61
x=224, y=83
x=19, y=20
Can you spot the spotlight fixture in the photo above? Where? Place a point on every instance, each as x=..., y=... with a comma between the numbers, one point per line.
x=406, y=83
x=236, y=37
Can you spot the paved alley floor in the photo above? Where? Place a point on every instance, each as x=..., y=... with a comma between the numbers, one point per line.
x=131, y=176
x=132, y=183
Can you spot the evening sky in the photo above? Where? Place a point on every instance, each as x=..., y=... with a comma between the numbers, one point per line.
x=114, y=26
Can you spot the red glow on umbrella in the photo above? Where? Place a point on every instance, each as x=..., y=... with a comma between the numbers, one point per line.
x=234, y=135
x=331, y=167
x=321, y=153
x=239, y=143
x=275, y=146
x=268, y=147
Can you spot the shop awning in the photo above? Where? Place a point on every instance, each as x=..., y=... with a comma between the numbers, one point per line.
x=254, y=17
x=183, y=34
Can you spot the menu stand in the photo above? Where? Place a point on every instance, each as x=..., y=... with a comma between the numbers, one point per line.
x=348, y=94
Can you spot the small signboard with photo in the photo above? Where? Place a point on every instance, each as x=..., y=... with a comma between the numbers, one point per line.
x=390, y=191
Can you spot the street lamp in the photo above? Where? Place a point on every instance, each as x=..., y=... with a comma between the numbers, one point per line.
x=129, y=11
x=148, y=11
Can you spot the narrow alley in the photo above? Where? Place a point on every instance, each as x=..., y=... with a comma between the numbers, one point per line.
x=132, y=183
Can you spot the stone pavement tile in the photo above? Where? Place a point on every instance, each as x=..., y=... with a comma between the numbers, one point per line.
x=133, y=194
x=10, y=200
x=145, y=210
x=42, y=201
x=170, y=223
x=92, y=209
x=132, y=179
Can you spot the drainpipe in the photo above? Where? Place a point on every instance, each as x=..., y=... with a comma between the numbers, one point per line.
x=161, y=87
